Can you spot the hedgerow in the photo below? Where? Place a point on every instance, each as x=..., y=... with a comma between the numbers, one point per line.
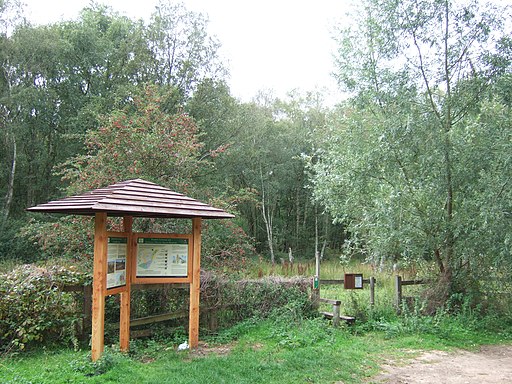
x=33, y=307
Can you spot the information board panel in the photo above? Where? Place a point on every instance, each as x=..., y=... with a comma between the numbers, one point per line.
x=358, y=281
x=116, y=262
x=162, y=257
x=353, y=281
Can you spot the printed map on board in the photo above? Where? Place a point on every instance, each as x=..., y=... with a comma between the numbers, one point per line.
x=147, y=259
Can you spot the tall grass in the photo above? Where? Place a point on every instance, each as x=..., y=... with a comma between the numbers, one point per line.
x=260, y=268
x=353, y=302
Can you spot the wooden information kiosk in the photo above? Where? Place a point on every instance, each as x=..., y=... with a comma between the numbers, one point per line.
x=125, y=258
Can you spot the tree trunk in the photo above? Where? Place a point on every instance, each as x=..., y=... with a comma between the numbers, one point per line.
x=317, y=254
x=12, y=174
x=449, y=240
x=326, y=236
x=297, y=218
x=10, y=183
x=316, y=231
x=267, y=219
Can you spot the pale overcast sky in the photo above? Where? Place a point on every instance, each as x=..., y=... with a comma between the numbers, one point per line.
x=268, y=44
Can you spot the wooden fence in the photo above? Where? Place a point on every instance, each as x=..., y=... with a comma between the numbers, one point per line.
x=335, y=314
x=370, y=281
x=398, y=301
x=212, y=312
x=399, y=283
x=85, y=326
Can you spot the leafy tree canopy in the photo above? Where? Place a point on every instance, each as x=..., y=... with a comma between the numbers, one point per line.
x=417, y=162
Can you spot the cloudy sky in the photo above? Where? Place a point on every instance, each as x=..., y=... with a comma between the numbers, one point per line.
x=276, y=45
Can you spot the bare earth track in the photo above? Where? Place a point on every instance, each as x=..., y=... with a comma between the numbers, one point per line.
x=489, y=365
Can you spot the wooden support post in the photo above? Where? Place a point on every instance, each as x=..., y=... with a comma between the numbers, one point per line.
x=99, y=285
x=124, y=310
x=336, y=314
x=213, y=320
x=398, y=294
x=193, y=324
x=372, y=291
x=315, y=292
x=87, y=308
x=315, y=297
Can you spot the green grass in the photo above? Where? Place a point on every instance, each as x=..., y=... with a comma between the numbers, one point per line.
x=282, y=349
x=357, y=302
x=278, y=350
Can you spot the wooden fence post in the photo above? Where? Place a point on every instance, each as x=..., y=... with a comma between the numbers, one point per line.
x=372, y=291
x=315, y=291
x=193, y=325
x=124, y=308
x=398, y=293
x=336, y=314
x=213, y=320
x=315, y=297
x=87, y=311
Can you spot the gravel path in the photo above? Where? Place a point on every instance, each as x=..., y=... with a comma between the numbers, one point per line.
x=489, y=365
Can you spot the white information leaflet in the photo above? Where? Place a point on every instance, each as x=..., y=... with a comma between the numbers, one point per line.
x=358, y=281
x=162, y=257
x=116, y=262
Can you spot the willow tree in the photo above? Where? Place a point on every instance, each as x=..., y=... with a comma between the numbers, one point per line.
x=399, y=164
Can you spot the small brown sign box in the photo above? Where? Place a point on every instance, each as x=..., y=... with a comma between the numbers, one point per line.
x=353, y=281
x=129, y=199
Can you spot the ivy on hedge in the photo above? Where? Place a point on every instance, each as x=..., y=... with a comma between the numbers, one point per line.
x=256, y=297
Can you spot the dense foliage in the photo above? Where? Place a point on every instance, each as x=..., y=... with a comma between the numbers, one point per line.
x=105, y=98
x=35, y=309
x=413, y=166
x=417, y=162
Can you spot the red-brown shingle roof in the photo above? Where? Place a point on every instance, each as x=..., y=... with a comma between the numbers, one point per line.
x=133, y=198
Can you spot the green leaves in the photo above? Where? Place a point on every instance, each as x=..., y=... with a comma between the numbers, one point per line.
x=34, y=309
x=139, y=141
x=57, y=80
x=411, y=156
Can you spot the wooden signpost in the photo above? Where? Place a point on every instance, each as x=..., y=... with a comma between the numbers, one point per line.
x=125, y=258
x=353, y=281
x=99, y=277
x=160, y=258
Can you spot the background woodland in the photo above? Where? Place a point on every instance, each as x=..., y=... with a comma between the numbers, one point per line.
x=412, y=168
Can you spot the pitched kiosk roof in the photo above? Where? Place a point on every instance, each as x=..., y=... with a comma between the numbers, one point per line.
x=133, y=198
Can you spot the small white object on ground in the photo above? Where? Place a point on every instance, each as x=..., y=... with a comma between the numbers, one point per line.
x=183, y=346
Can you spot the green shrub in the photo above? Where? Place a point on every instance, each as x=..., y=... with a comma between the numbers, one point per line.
x=263, y=296
x=33, y=308
x=237, y=301
x=108, y=360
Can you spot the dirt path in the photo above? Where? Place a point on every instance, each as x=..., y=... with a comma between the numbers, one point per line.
x=489, y=365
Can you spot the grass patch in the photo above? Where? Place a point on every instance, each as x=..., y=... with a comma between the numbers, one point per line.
x=284, y=348
x=277, y=350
